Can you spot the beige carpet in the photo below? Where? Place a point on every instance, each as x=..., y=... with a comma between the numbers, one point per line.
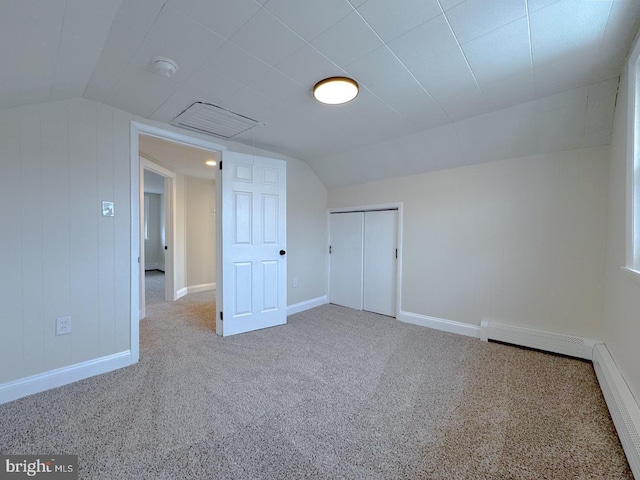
x=153, y=287
x=332, y=394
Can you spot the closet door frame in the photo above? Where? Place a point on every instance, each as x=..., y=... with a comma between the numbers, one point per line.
x=370, y=208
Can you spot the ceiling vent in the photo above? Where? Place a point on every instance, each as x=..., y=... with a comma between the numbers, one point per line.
x=213, y=120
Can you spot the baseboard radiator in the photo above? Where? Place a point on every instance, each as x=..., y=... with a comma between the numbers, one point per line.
x=621, y=403
x=539, y=339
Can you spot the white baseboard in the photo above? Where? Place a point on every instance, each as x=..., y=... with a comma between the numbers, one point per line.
x=306, y=305
x=623, y=407
x=61, y=376
x=440, y=324
x=182, y=292
x=204, y=287
x=581, y=347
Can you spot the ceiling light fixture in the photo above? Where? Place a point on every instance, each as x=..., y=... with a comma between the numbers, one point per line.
x=335, y=90
x=211, y=163
x=164, y=66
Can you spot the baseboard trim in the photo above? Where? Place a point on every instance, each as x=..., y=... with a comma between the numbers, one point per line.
x=203, y=287
x=623, y=408
x=181, y=293
x=581, y=347
x=40, y=382
x=450, y=326
x=306, y=305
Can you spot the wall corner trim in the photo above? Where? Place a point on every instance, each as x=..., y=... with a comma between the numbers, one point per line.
x=40, y=382
x=450, y=326
x=623, y=407
x=306, y=305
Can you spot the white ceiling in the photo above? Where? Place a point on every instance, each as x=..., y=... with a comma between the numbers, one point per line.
x=424, y=66
x=178, y=157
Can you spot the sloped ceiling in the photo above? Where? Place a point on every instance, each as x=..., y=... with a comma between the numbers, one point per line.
x=442, y=78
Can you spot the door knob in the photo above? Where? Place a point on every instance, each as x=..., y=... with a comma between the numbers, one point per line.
x=282, y=252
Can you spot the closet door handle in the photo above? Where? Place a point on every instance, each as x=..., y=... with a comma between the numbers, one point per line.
x=282, y=252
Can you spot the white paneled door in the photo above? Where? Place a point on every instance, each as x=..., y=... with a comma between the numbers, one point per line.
x=254, y=262
x=345, y=261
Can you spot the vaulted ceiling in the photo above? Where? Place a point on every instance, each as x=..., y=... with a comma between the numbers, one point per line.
x=440, y=79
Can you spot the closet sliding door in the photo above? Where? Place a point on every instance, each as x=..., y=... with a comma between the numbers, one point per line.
x=345, y=262
x=379, y=266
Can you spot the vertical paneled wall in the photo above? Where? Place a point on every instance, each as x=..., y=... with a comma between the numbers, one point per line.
x=58, y=255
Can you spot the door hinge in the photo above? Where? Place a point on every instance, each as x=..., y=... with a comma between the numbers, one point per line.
x=220, y=164
x=329, y=249
x=221, y=316
x=396, y=253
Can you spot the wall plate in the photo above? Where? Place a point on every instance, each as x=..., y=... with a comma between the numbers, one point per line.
x=107, y=209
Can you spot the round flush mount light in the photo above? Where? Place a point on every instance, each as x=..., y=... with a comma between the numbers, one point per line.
x=164, y=66
x=335, y=90
x=211, y=163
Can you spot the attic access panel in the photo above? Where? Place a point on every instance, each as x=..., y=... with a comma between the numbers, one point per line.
x=213, y=120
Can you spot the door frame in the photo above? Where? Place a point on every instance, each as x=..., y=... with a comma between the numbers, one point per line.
x=170, y=293
x=372, y=208
x=137, y=128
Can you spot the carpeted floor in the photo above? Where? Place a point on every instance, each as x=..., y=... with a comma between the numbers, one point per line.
x=153, y=287
x=333, y=394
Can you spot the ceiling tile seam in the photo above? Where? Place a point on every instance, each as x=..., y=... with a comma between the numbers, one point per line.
x=466, y=61
x=224, y=40
x=278, y=20
x=203, y=25
x=164, y=103
x=392, y=107
x=341, y=70
x=533, y=75
x=55, y=69
x=320, y=33
x=164, y=4
x=506, y=24
x=185, y=83
x=406, y=69
x=593, y=67
x=130, y=61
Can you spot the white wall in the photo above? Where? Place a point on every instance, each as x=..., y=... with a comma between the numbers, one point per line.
x=517, y=241
x=307, y=233
x=200, y=231
x=58, y=255
x=622, y=305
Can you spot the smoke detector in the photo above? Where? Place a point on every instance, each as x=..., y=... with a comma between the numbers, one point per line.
x=164, y=66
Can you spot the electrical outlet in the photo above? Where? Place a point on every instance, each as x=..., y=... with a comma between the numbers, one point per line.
x=63, y=325
x=295, y=282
